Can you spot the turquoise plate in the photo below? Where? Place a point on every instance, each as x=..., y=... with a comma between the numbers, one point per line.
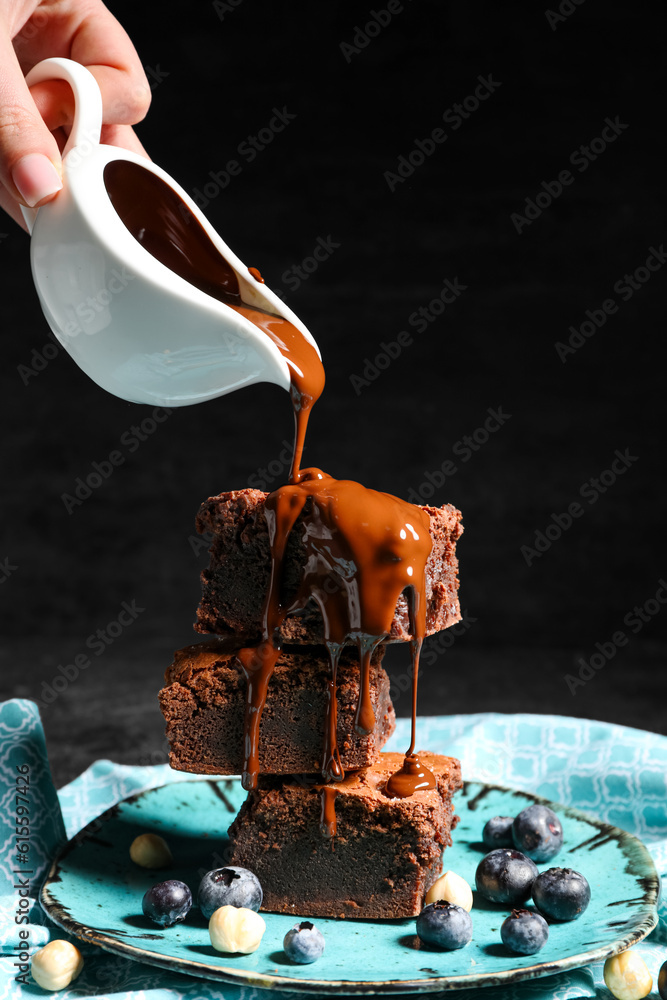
x=94, y=891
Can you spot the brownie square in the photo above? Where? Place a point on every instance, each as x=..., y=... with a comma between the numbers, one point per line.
x=203, y=702
x=386, y=853
x=237, y=579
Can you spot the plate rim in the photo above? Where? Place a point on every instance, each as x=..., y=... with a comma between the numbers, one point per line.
x=351, y=987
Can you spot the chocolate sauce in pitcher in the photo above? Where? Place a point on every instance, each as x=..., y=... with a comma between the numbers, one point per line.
x=363, y=548
x=164, y=225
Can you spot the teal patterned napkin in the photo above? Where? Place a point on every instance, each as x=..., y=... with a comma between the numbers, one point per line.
x=615, y=773
x=31, y=826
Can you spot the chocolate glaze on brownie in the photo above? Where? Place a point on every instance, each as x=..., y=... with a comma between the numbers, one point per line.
x=235, y=584
x=386, y=854
x=203, y=702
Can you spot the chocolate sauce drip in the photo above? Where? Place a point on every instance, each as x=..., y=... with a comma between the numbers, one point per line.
x=411, y=777
x=332, y=769
x=363, y=548
x=328, y=810
x=364, y=720
x=305, y=369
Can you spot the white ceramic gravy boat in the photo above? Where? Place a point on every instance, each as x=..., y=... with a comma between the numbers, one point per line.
x=136, y=327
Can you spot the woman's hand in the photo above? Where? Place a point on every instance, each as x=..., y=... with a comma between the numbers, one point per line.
x=34, y=121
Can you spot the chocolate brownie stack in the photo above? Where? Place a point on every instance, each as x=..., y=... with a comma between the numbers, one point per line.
x=386, y=851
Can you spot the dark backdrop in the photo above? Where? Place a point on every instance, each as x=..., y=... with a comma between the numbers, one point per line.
x=532, y=257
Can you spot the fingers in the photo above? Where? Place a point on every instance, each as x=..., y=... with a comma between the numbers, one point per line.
x=102, y=45
x=30, y=163
x=88, y=33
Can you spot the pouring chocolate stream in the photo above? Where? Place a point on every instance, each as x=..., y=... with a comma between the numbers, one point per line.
x=363, y=548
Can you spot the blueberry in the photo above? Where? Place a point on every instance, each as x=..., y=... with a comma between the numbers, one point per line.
x=167, y=902
x=662, y=981
x=497, y=832
x=561, y=894
x=303, y=943
x=505, y=876
x=444, y=925
x=538, y=833
x=230, y=886
x=524, y=932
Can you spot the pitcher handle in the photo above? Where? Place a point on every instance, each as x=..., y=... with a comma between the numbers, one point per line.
x=87, y=124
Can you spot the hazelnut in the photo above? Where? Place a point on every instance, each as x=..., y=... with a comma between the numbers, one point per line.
x=453, y=889
x=236, y=929
x=150, y=851
x=627, y=977
x=56, y=964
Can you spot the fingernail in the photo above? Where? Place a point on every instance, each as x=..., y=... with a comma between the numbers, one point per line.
x=36, y=178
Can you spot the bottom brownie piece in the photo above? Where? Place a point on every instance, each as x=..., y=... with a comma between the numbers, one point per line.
x=385, y=855
x=203, y=702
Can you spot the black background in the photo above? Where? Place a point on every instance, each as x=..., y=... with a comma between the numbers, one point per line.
x=218, y=73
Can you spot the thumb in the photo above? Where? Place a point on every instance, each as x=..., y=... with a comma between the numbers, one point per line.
x=30, y=164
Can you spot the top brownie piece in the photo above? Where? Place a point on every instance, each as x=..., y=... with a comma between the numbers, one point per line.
x=237, y=579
